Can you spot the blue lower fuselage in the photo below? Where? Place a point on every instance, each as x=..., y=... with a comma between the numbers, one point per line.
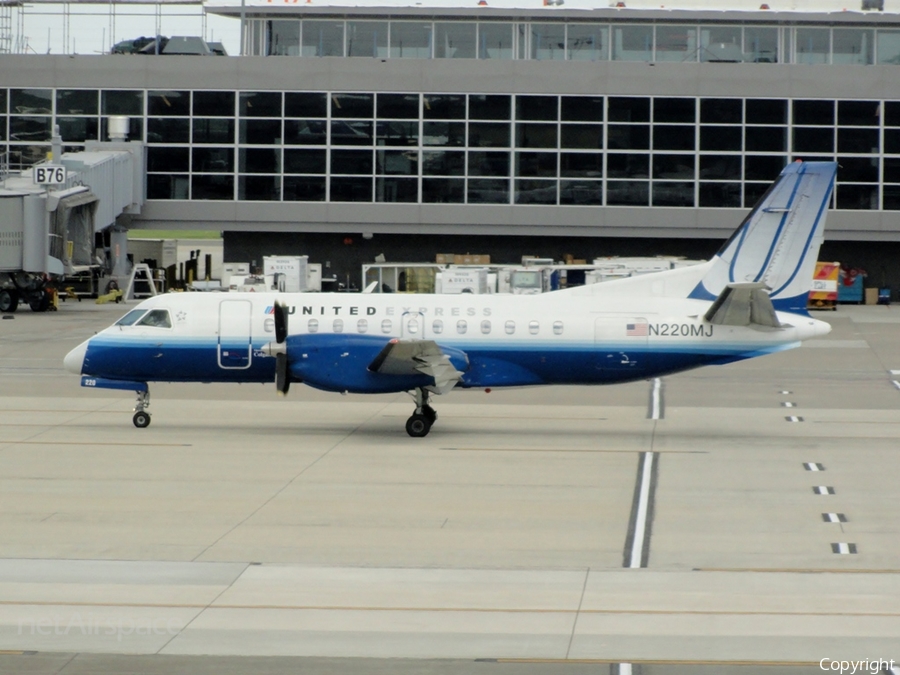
x=340, y=362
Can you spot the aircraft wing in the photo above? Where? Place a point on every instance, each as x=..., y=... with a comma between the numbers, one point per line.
x=411, y=357
x=743, y=304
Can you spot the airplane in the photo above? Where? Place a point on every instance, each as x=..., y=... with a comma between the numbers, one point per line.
x=748, y=300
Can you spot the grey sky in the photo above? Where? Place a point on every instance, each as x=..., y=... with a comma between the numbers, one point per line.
x=93, y=29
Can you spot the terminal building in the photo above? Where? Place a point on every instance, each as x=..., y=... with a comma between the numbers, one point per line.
x=506, y=127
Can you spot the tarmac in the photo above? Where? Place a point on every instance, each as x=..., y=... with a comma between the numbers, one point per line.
x=733, y=519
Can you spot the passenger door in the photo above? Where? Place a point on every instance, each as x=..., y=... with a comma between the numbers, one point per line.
x=235, y=339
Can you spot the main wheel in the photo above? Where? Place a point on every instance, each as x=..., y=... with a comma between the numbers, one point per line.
x=9, y=301
x=418, y=426
x=141, y=420
x=40, y=301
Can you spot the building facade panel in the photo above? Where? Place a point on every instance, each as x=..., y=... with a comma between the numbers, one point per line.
x=506, y=146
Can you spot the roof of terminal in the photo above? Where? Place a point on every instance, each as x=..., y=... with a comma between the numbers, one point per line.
x=831, y=10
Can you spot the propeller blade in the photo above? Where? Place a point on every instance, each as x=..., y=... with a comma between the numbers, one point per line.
x=282, y=377
x=281, y=323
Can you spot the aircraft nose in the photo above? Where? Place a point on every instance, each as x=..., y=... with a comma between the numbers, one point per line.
x=75, y=359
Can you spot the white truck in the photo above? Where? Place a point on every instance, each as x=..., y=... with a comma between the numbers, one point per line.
x=527, y=280
x=453, y=281
x=286, y=274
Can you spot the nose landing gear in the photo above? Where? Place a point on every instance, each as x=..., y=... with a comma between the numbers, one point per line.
x=141, y=418
x=419, y=424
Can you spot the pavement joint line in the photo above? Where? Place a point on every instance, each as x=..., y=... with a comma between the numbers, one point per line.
x=587, y=575
x=461, y=610
x=341, y=439
x=45, y=428
x=511, y=417
x=99, y=443
x=655, y=662
x=799, y=570
x=868, y=422
x=600, y=450
x=187, y=625
x=73, y=412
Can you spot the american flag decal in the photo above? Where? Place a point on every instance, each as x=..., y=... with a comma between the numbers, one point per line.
x=636, y=329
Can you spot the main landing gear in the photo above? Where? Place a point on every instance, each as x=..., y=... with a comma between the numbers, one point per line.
x=419, y=424
x=141, y=418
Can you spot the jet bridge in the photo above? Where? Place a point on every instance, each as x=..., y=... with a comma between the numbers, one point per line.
x=48, y=232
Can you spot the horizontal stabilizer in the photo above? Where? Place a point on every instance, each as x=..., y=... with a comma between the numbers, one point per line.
x=743, y=304
x=412, y=357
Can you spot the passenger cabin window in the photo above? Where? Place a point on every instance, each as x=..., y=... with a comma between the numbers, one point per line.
x=386, y=326
x=131, y=317
x=437, y=327
x=534, y=327
x=412, y=326
x=362, y=326
x=156, y=318
x=557, y=327
x=510, y=327
x=486, y=327
x=313, y=326
x=461, y=327
x=338, y=326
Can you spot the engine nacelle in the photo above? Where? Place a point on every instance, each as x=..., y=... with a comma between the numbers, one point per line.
x=340, y=363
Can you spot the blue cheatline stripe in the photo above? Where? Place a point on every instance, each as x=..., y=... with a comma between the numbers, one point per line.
x=809, y=239
x=166, y=340
x=525, y=346
x=800, y=172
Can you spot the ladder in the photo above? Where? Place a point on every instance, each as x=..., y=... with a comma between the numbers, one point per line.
x=140, y=283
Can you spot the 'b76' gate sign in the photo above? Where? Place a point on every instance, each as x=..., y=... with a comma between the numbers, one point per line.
x=49, y=174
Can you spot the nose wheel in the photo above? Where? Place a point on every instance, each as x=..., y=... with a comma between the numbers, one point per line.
x=141, y=418
x=421, y=421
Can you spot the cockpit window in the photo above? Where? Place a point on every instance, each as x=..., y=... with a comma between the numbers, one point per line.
x=157, y=318
x=131, y=317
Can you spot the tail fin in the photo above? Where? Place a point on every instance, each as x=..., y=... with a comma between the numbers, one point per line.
x=778, y=243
